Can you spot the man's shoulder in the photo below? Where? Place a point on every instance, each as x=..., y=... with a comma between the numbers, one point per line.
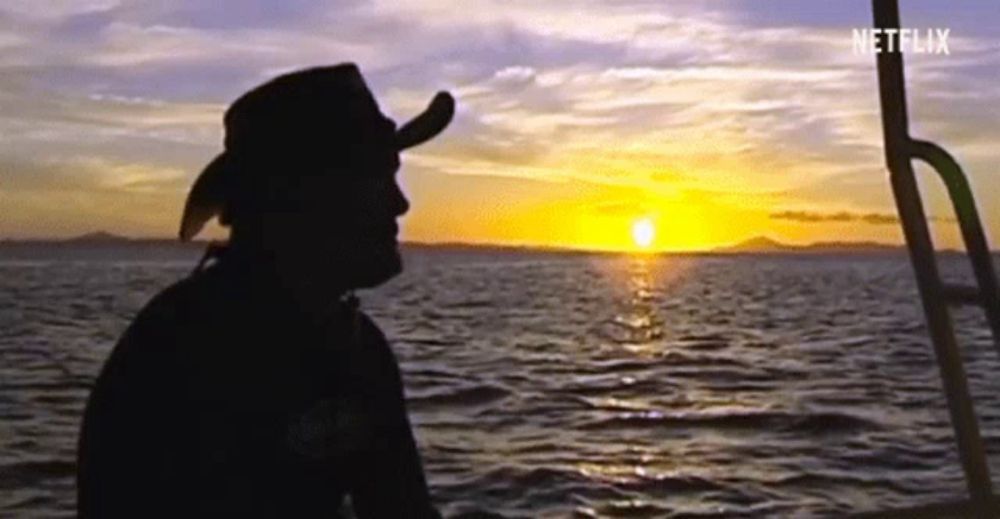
x=157, y=329
x=175, y=306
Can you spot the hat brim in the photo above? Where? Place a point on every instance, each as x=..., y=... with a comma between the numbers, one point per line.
x=208, y=194
x=432, y=121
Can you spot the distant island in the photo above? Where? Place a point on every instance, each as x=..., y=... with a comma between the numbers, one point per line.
x=101, y=239
x=765, y=245
x=97, y=237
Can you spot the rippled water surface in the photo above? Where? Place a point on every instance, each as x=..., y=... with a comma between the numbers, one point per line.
x=548, y=385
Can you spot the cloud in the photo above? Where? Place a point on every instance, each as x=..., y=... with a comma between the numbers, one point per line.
x=57, y=9
x=83, y=175
x=810, y=217
x=625, y=208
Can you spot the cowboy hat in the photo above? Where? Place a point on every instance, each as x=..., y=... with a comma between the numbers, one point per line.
x=294, y=115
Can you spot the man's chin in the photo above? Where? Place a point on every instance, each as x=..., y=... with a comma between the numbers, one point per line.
x=378, y=269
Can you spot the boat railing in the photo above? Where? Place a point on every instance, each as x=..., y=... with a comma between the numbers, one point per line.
x=936, y=295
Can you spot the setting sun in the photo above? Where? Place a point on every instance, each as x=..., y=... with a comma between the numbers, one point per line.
x=643, y=232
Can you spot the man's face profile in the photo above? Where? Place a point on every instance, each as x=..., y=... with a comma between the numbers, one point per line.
x=345, y=224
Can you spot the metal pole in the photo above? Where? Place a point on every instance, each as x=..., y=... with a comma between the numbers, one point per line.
x=987, y=294
x=898, y=152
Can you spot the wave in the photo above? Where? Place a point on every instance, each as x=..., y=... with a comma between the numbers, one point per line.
x=469, y=396
x=812, y=423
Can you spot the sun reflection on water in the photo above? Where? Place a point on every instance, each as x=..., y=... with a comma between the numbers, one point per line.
x=640, y=326
x=691, y=431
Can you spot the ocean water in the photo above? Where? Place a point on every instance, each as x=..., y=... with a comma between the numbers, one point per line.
x=570, y=385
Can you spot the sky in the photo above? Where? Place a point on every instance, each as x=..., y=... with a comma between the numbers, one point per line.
x=717, y=121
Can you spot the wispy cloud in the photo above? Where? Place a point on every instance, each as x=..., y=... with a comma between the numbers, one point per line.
x=846, y=216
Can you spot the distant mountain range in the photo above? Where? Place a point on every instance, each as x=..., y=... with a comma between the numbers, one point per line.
x=756, y=245
x=765, y=245
x=99, y=239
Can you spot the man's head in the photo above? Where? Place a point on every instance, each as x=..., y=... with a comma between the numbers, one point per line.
x=309, y=176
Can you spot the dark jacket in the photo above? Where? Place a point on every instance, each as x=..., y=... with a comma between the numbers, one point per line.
x=221, y=400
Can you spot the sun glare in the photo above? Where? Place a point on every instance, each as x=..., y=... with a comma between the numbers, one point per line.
x=643, y=232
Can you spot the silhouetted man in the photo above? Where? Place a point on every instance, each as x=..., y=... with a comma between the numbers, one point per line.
x=255, y=388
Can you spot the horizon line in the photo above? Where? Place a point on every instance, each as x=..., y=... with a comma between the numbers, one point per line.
x=771, y=245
